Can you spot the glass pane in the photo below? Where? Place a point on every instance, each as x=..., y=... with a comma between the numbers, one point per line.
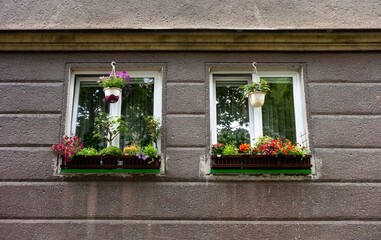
x=278, y=111
x=232, y=113
x=136, y=106
x=90, y=103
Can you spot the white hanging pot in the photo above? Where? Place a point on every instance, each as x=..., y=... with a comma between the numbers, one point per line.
x=257, y=99
x=112, y=94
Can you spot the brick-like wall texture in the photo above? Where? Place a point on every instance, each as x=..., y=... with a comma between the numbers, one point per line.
x=342, y=201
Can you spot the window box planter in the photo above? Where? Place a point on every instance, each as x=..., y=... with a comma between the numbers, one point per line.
x=261, y=164
x=110, y=164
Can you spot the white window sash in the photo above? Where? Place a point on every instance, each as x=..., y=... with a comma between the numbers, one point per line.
x=256, y=125
x=115, y=108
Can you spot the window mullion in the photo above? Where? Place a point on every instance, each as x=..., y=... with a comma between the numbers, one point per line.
x=116, y=110
x=258, y=127
x=299, y=109
x=75, y=109
x=213, y=110
x=157, y=103
x=257, y=116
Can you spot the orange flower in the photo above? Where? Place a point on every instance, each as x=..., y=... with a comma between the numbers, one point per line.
x=244, y=147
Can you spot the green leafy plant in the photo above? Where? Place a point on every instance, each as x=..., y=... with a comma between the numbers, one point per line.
x=91, y=140
x=87, y=152
x=261, y=86
x=111, y=151
x=262, y=140
x=230, y=150
x=117, y=80
x=150, y=151
x=108, y=127
x=153, y=127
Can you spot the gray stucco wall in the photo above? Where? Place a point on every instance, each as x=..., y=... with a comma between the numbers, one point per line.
x=190, y=14
x=343, y=95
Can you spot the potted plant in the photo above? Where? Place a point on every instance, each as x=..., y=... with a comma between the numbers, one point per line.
x=111, y=151
x=230, y=149
x=256, y=92
x=268, y=154
x=68, y=148
x=134, y=159
x=218, y=149
x=244, y=148
x=108, y=127
x=131, y=150
x=87, y=152
x=112, y=85
x=153, y=127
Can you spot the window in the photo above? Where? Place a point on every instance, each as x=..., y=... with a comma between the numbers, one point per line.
x=234, y=121
x=86, y=99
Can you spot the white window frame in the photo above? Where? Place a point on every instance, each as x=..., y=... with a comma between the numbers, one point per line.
x=255, y=114
x=115, y=108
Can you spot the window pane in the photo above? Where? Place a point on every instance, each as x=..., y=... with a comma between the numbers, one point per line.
x=278, y=111
x=90, y=103
x=136, y=106
x=232, y=113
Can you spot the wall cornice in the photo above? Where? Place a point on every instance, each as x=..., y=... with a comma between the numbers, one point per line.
x=191, y=40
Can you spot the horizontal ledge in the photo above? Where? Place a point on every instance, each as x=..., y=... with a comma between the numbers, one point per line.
x=187, y=83
x=31, y=83
x=202, y=115
x=204, y=183
x=333, y=147
x=346, y=83
x=19, y=112
x=31, y=114
x=185, y=148
x=25, y=146
x=298, y=221
x=190, y=40
x=355, y=149
x=354, y=114
x=262, y=171
x=111, y=171
x=361, y=116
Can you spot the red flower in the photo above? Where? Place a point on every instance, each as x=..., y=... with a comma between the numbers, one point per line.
x=68, y=148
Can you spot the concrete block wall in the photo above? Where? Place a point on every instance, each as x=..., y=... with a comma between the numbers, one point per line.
x=172, y=14
x=343, y=96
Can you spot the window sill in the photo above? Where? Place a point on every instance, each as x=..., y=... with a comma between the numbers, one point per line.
x=261, y=164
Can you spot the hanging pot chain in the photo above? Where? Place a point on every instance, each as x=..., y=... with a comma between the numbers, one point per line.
x=113, y=69
x=255, y=73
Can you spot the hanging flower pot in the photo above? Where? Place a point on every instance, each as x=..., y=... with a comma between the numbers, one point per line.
x=112, y=94
x=257, y=99
x=256, y=90
x=112, y=85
